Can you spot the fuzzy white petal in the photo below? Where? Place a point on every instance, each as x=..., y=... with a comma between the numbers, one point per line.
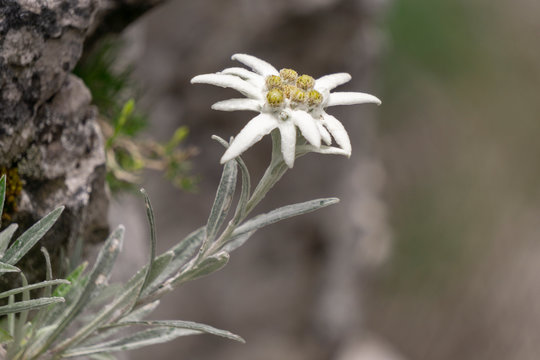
x=325, y=135
x=238, y=104
x=332, y=150
x=254, y=130
x=258, y=65
x=338, y=132
x=229, y=81
x=307, y=126
x=351, y=98
x=329, y=82
x=288, y=141
x=245, y=74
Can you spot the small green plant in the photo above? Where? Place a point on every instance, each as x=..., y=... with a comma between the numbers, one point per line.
x=113, y=92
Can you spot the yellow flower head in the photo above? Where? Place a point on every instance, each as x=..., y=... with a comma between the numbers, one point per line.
x=273, y=81
x=305, y=82
x=288, y=76
x=274, y=97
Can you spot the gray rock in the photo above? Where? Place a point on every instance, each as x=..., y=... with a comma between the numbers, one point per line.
x=48, y=127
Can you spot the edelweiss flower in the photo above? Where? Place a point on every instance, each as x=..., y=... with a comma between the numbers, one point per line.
x=285, y=101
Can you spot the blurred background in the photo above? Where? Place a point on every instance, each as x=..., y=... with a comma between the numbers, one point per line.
x=433, y=252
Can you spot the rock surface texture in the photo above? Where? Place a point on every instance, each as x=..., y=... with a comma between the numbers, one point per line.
x=48, y=127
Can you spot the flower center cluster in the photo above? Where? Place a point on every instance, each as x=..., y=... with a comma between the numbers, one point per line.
x=290, y=89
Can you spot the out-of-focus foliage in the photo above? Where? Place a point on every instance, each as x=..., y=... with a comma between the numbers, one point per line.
x=113, y=92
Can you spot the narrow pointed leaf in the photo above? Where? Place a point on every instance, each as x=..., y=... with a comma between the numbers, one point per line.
x=32, y=287
x=141, y=312
x=249, y=227
x=111, y=312
x=188, y=325
x=152, y=224
x=207, y=266
x=223, y=200
x=246, y=183
x=23, y=317
x=183, y=252
x=98, y=276
x=134, y=341
x=4, y=268
x=5, y=237
x=28, y=305
x=109, y=331
x=158, y=268
x=30, y=237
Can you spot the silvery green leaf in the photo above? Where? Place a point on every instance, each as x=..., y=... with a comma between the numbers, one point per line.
x=223, y=200
x=238, y=236
x=183, y=252
x=237, y=240
x=4, y=268
x=109, y=332
x=159, y=268
x=188, y=325
x=32, y=287
x=98, y=276
x=23, y=316
x=111, y=312
x=105, y=294
x=30, y=237
x=57, y=312
x=49, y=317
x=149, y=269
x=246, y=183
x=11, y=316
x=133, y=341
x=207, y=266
x=141, y=312
x=2, y=194
x=28, y=305
x=5, y=237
